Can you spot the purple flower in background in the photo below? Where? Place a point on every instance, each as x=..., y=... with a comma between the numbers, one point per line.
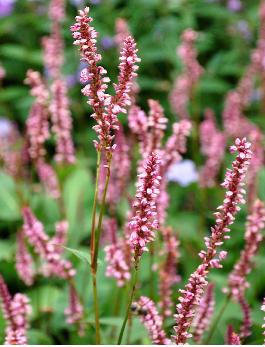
x=71, y=80
x=95, y=2
x=107, y=42
x=234, y=5
x=6, y=127
x=77, y=3
x=256, y=95
x=6, y=7
x=183, y=172
x=242, y=27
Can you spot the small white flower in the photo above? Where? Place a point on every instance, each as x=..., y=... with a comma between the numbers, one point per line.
x=183, y=172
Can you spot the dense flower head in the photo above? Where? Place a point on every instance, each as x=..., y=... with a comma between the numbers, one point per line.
x=144, y=221
x=10, y=150
x=120, y=171
x=257, y=139
x=253, y=237
x=185, y=83
x=176, y=144
x=75, y=311
x=237, y=100
x=122, y=31
x=204, y=314
x=231, y=337
x=138, y=124
x=60, y=237
x=213, y=147
x=62, y=122
x=105, y=107
x=53, y=263
x=167, y=274
x=152, y=321
x=157, y=123
x=128, y=67
x=48, y=178
x=15, y=311
x=237, y=281
x=191, y=295
x=57, y=10
x=53, y=52
x=24, y=261
x=117, y=266
x=37, y=123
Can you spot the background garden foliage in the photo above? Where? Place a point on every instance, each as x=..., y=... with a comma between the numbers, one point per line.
x=226, y=37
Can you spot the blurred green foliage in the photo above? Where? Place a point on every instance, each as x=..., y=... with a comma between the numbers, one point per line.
x=224, y=52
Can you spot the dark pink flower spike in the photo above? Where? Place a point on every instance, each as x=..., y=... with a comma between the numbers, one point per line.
x=168, y=272
x=152, y=321
x=157, y=123
x=15, y=311
x=75, y=311
x=144, y=221
x=105, y=107
x=225, y=216
x=24, y=261
x=213, y=147
x=237, y=281
x=204, y=314
x=62, y=122
x=48, y=178
x=231, y=337
x=184, y=84
x=117, y=266
x=37, y=122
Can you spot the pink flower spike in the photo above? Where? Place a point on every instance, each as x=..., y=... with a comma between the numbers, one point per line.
x=16, y=311
x=191, y=295
x=152, y=321
x=24, y=261
x=75, y=312
x=105, y=108
x=117, y=266
x=37, y=122
x=167, y=274
x=62, y=123
x=184, y=84
x=48, y=178
x=144, y=221
x=157, y=123
x=204, y=314
x=213, y=147
x=231, y=337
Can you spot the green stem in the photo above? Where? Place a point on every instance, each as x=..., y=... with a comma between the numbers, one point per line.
x=96, y=309
x=100, y=219
x=217, y=319
x=92, y=251
x=152, y=277
x=133, y=289
x=94, y=210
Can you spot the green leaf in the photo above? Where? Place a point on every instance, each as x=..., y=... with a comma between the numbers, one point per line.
x=9, y=207
x=79, y=254
x=7, y=249
x=111, y=321
x=78, y=199
x=43, y=299
x=37, y=337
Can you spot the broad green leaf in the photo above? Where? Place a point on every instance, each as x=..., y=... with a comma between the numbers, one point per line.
x=7, y=249
x=78, y=198
x=9, y=207
x=79, y=254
